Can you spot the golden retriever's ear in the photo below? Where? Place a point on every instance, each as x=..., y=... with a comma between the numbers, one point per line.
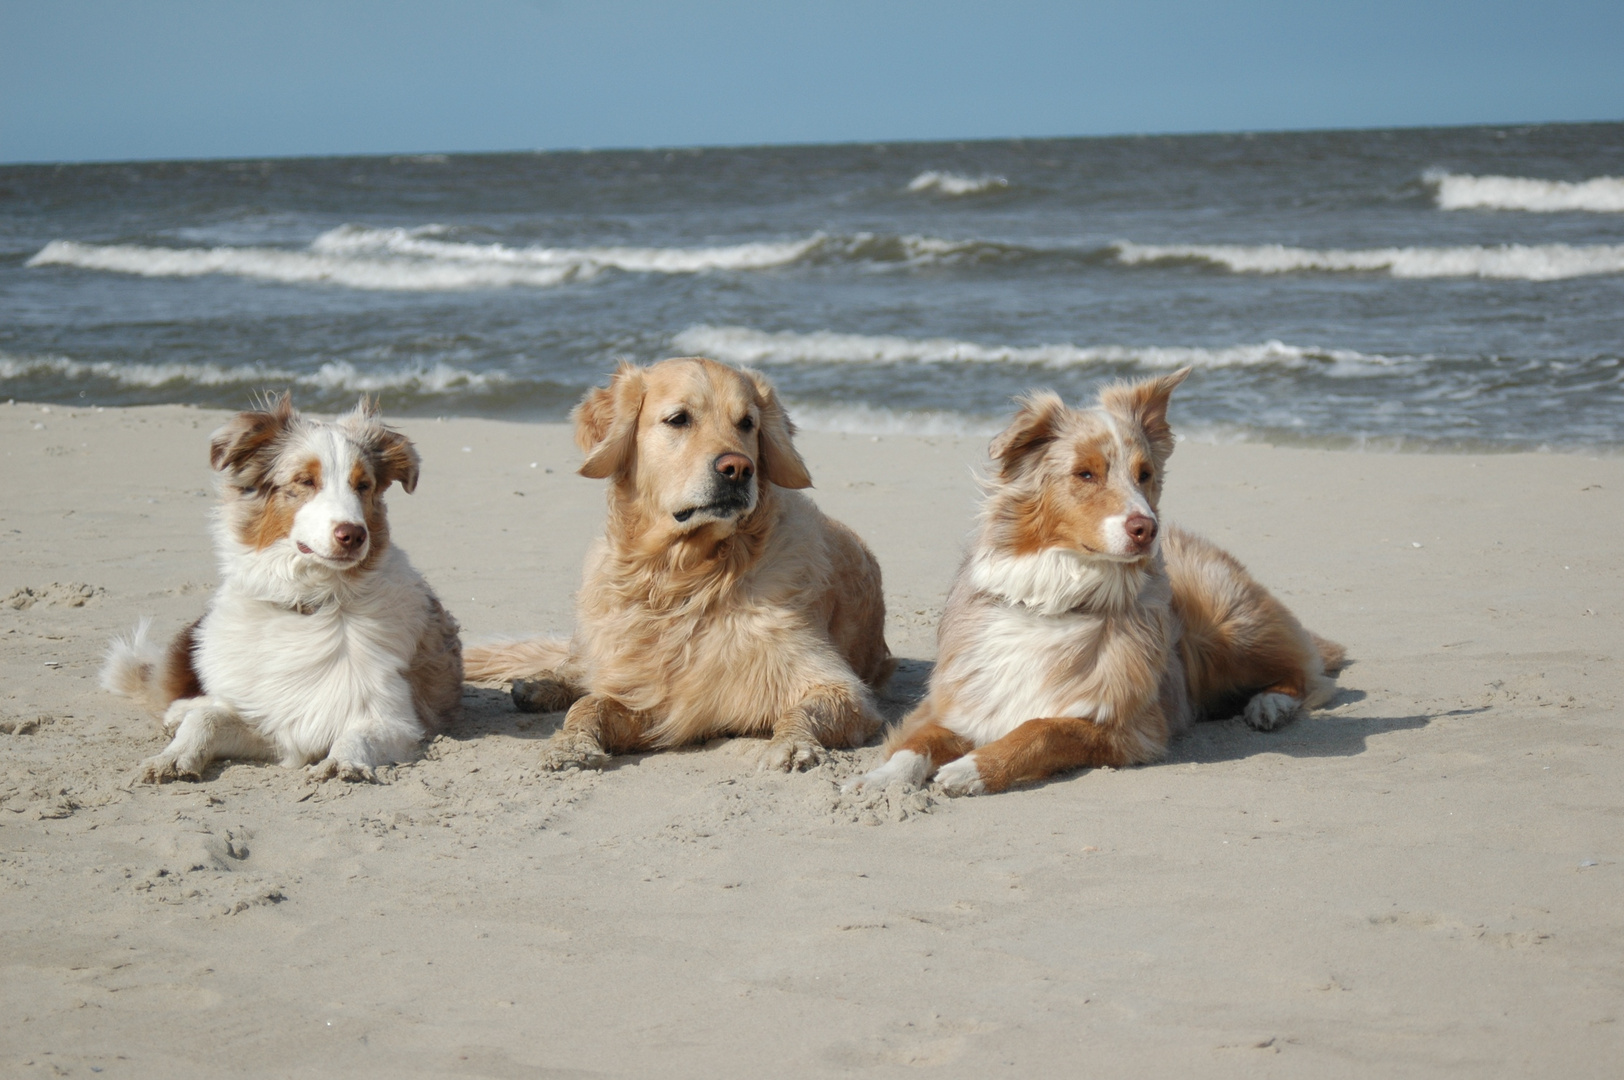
x=393, y=455
x=780, y=462
x=244, y=446
x=606, y=423
x=1145, y=403
x=1032, y=429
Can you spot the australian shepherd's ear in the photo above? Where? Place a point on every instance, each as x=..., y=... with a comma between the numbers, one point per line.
x=393, y=455
x=606, y=423
x=780, y=462
x=1033, y=428
x=245, y=445
x=1145, y=404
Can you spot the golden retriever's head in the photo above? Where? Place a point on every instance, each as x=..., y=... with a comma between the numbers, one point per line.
x=689, y=440
x=1087, y=481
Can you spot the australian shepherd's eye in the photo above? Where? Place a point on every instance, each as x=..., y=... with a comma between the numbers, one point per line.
x=1086, y=474
x=1144, y=475
x=306, y=481
x=678, y=419
x=747, y=424
x=363, y=487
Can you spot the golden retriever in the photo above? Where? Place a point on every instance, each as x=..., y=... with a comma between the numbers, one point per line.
x=720, y=600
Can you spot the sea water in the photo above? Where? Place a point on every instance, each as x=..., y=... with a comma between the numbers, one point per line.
x=1456, y=288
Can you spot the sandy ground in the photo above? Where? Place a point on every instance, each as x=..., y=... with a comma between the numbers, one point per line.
x=1424, y=880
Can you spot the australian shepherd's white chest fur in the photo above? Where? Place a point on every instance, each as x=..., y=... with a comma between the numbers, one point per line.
x=1081, y=631
x=322, y=644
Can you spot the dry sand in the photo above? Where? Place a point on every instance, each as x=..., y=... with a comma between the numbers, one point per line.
x=1426, y=879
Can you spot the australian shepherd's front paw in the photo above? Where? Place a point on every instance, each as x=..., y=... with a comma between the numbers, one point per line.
x=792, y=753
x=904, y=767
x=163, y=768
x=339, y=769
x=961, y=777
x=1265, y=712
x=573, y=750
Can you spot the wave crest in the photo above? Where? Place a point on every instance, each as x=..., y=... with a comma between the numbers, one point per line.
x=742, y=345
x=1599, y=195
x=1516, y=262
x=955, y=184
x=336, y=375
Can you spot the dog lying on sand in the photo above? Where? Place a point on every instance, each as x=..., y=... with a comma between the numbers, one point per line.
x=1080, y=630
x=720, y=600
x=322, y=643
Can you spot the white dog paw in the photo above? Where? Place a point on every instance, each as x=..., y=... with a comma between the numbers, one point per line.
x=572, y=750
x=791, y=754
x=163, y=768
x=1268, y=711
x=904, y=766
x=961, y=777
x=337, y=769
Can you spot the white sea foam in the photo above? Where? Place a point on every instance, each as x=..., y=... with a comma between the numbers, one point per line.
x=337, y=375
x=872, y=420
x=412, y=259
x=1600, y=195
x=946, y=183
x=1517, y=262
x=742, y=345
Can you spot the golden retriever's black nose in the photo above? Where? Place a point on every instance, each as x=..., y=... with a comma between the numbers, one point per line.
x=350, y=535
x=735, y=468
x=1140, y=529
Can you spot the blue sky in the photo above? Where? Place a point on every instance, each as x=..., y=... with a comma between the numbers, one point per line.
x=102, y=80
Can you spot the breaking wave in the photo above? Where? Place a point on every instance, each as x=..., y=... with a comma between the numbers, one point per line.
x=337, y=375
x=946, y=183
x=1600, y=195
x=1518, y=262
x=742, y=345
x=419, y=260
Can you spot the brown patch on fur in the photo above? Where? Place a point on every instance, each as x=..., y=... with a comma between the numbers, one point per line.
x=245, y=445
x=435, y=673
x=933, y=742
x=1040, y=748
x=269, y=518
x=179, y=678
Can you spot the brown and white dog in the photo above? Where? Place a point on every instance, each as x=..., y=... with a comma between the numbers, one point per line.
x=1083, y=632
x=720, y=600
x=322, y=643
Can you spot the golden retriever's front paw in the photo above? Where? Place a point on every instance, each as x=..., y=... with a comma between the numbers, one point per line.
x=542, y=696
x=335, y=769
x=792, y=753
x=162, y=769
x=573, y=750
x=961, y=777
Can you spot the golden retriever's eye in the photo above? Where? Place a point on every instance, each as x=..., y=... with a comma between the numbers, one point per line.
x=678, y=419
x=747, y=424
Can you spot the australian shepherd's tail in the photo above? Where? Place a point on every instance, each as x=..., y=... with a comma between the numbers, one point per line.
x=134, y=668
x=504, y=661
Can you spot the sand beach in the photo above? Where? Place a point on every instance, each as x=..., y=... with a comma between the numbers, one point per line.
x=1422, y=880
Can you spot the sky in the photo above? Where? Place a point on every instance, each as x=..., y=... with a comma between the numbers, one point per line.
x=87, y=80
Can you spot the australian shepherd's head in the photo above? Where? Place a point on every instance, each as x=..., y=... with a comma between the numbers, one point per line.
x=1071, y=514
x=691, y=446
x=307, y=495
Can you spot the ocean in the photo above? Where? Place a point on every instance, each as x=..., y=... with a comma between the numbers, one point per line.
x=1450, y=289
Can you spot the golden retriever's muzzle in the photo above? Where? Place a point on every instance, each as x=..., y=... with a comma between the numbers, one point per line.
x=732, y=488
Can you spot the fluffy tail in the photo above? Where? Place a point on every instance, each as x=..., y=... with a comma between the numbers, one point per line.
x=504, y=661
x=134, y=668
x=1333, y=656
